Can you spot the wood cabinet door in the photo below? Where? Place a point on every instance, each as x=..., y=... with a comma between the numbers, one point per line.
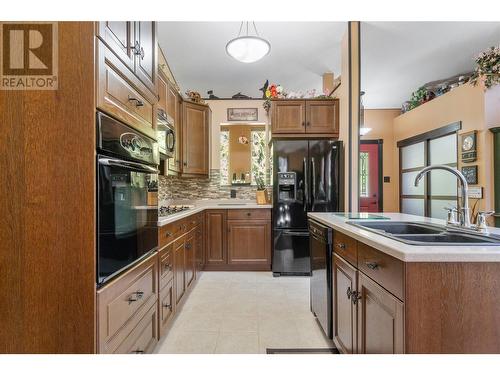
x=179, y=267
x=190, y=258
x=199, y=246
x=344, y=325
x=249, y=242
x=289, y=117
x=175, y=163
x=215, y=237
x=162, y=93
x=145, y=47
x=322, y=117
x=380, y=319
x=166, y=306
x=119, y=37
x=195, y=139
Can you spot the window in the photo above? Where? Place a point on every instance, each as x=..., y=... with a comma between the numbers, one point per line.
x=363, y=174
x=437, y=189
x=258, y=155
x=224, y=157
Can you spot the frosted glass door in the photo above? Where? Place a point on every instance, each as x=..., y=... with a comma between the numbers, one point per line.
x=412, y=161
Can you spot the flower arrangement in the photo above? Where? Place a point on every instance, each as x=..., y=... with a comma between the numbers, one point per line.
x=487, y=68
x=275, y=91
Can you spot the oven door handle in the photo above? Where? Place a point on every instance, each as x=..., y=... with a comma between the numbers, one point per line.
x=128, y=165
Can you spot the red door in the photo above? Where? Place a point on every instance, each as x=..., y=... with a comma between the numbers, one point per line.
x=369, y=175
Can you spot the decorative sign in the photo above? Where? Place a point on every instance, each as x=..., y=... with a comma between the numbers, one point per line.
x=470, y=173
x=469, y=147
x=242, y=114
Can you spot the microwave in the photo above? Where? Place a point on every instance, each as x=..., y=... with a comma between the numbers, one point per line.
x=165, y=133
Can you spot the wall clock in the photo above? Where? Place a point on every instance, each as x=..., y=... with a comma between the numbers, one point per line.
x=469, y=147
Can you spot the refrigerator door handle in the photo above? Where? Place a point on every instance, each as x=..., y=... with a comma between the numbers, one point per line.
x=313, y=178
x=306, y=187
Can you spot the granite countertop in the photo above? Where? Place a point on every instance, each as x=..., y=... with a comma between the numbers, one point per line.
x=201, y=205
x=411, y=253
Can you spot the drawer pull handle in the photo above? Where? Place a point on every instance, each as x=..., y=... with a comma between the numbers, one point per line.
x=135, y=297
x=349, y=292
x=249, y=214
x=168, y=234
x=168, y=306
x=168, y=267
x=371, y=265
x=138, y=351
x=138, y=102
x=138, y=50
x=341, y=245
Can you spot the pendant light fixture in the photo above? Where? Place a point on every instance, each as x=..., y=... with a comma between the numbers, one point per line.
x=248, y=48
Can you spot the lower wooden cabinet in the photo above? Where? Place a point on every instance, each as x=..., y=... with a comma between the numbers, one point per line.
x=380, y=319
x=367, y=317
x=143, y=338
x=249, y=243
x=189, y=262
x=180, y=269
x=166, y=306
x=215, y=232
x=344, y=314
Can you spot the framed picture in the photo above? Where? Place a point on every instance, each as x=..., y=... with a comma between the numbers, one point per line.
x=470, y=173
x=242, y=114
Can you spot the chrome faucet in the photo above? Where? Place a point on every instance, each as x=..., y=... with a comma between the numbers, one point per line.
x=464, y=214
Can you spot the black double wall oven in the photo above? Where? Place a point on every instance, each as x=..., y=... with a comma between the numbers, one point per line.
x=127, y=179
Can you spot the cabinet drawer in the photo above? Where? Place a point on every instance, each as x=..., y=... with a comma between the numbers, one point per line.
x=166, y=265
x=257, y=213
x=125, y=297
x=118, y=96
x=346, y=247
x=166, y=305
x=193, y=221
x=143, y=338
x=384, y=269
x=170, y=232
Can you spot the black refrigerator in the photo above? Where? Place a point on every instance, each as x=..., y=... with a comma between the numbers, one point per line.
x=307, y=176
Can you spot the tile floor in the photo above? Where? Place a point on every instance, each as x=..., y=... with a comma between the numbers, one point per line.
x=244, y=312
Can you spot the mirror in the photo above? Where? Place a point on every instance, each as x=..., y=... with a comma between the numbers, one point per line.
x=419, y=105
x=244, y=154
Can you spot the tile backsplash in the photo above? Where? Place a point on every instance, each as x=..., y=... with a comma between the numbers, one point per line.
x=174, y=188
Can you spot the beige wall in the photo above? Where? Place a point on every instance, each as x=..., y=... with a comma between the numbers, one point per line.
x=219, y=115
x=468, y=105
x=381, y=121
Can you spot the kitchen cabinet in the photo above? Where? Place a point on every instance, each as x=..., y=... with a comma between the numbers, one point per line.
x=174, y=104
x=166, y=306
x=380, y=319
x=215, y=232
x=195, y=134
x=162, y=93
x=248, y=242
x=119, y=36
x=305, y=118
x=368, y=298
x=345, y=313
x=179, y=269
x=190, y=265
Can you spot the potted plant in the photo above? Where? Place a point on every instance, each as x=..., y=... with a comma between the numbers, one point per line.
x=487, y=71
x=261, y=191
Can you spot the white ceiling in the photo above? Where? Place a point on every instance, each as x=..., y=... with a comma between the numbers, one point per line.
x=399, y=57
x=300, y=53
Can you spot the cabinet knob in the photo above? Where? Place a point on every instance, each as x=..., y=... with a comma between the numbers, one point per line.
x=349, y=292
x=308, y=123
x=138, y=50
x=185, y=164
x=138, y=351
x=135, y=296
x=168, y=234
x=167, y=305
x=341, y=245
x=249, y=214
x=355, y=296
x=372, y=265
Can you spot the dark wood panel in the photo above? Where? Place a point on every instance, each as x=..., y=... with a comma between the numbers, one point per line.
x=322, y=117
x=288, y=117
x=47, y=260
x=380, y=319
x=215, y=235
x=195, y=134
x=384, y=269
x=452, y=308
x=345, y=312
x=166, y=265
x=346, y=247
x=189, y=249
x=179, y=269
x=249, y=242
x=166, y=306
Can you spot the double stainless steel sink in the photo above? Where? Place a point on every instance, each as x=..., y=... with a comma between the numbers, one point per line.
x=425, y=234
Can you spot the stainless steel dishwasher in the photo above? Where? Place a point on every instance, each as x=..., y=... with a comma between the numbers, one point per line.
x=320, y=241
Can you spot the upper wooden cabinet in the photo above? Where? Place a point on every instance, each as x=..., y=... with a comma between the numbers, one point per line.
x=303, y=118
x=145, y=49
x=135, y=44
x=195, y=133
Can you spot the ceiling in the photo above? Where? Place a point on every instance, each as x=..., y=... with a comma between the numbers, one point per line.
x=399, y=57
x=300, y=53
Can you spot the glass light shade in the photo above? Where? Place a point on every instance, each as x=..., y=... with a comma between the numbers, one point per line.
x=248, y=49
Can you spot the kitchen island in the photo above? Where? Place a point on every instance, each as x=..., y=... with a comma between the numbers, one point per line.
x=393, y=297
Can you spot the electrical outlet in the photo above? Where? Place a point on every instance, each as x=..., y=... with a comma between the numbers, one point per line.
x=475, y=192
